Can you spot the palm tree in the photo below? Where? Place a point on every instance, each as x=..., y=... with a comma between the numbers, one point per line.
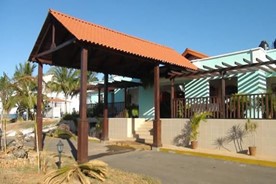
x=91, y=77
x=65, y=80
x=25, y=87
x=6, y=93
x=8, y=102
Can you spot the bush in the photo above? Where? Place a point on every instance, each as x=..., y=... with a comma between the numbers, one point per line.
x=63, y=132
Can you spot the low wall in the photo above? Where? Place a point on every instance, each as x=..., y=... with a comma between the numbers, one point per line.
x=123, y=128
x=118, y=128
x=215, y=134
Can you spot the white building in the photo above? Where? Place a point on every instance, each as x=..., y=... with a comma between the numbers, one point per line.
x=57, y=102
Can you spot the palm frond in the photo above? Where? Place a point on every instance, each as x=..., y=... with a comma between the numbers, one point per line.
x=78, y=173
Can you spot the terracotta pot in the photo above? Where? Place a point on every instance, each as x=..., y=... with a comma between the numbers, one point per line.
x=194, y=144
x=252, y=150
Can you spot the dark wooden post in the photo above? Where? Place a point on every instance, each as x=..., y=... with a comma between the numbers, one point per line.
x=222, y=97
x=112, y=102
x=125, y=96
x=82, y=155
x=105, y=113
x=172, y=98
x=157, y=121
x=53, y=44
x=99, y=95
x=39, y=106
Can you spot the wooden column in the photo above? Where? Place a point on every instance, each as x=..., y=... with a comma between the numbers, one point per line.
x=82, y=155
x=125, y=97
x=53, y=44
x=99, y=95
x=157, y=121
x=39, y=107
x=105, y=113
x=172, y=98
x=113, y=99
x=222, y=97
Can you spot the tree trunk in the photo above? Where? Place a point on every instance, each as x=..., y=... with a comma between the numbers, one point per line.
x=2, y=114
x=66, y=97
x=5, y=136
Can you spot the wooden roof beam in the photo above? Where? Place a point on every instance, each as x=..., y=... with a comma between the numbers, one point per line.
x=269, y=58
x=247, y=61
x=219, y=67
x=245, y=68
x=207, y=67
x=270, y=67
x=43, y=37
x=258, y=67
x=50, y=51
x=226, y=64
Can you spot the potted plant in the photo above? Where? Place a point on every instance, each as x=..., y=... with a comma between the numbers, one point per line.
x=251, y=127
x=238, y=105
x=270, y=108
x=194, y=125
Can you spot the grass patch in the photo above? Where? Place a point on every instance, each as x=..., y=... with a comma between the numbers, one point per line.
x=28, y=124
x=22, y=175
x=29, y=174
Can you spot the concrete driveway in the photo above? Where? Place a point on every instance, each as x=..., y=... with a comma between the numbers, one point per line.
x=173, y=168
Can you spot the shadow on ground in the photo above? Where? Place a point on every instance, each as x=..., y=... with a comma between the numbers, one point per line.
x=73, y=148
x=112, y=150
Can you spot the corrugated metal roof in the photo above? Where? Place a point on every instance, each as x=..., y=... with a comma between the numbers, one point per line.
x=92, y=33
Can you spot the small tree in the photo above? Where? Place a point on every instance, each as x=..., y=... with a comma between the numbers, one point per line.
x=251, y=127
x=195, y=121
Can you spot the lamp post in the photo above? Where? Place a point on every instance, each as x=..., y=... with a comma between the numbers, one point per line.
x=1, y=133
x=59, y=149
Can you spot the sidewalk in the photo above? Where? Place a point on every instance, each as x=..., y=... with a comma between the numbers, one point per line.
x=221, y=155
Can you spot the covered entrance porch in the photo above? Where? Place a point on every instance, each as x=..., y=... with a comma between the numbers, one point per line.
x=70, y=42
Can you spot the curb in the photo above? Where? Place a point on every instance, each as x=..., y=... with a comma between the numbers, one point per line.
x=265, y=163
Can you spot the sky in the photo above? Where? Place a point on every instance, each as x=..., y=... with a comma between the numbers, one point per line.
x=212, y=27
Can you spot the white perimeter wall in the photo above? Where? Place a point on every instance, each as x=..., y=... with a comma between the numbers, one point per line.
x=123, y=128
x=173, y=133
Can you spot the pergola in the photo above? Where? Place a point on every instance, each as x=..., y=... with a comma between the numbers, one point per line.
x=70, y=42
x=223, y=70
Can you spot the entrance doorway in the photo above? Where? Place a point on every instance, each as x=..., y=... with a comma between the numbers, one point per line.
x=165, y=98
x=231, y=87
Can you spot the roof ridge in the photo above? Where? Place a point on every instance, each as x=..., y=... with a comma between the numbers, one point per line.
x=102, y=27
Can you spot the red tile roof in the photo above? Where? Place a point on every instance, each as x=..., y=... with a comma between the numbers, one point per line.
x=92, y=33
x=193, y=53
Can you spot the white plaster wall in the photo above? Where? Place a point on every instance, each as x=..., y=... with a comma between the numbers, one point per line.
x=118, y=128
x=123, y=128
x=213, y=129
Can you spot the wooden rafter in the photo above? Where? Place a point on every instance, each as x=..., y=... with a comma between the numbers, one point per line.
x=43, y=37
x=207, y=67
x=229, y=69
x=260, y=67
x=270, y=67
x=51, y=50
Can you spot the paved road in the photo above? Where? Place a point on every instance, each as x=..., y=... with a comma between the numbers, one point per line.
x=176, y=169
x=173, y=169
